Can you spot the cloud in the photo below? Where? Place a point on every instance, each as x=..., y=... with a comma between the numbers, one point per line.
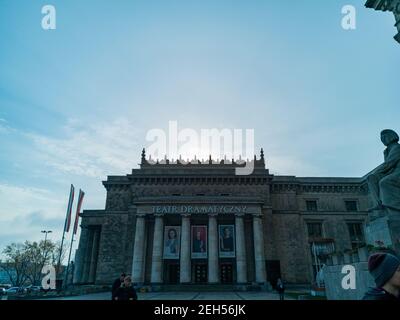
x=92, y=150
x=25, y=211
x=83, y=154
x=38, y=219
x=16, y=200
x=4, y=127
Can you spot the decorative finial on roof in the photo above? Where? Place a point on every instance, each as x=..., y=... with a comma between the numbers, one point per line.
x=143, y=156
x=262, y=154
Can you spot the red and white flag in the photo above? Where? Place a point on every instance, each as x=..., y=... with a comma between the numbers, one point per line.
x=69, y=210
x=78, y=209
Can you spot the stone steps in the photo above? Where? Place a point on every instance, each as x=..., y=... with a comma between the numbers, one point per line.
x=208, y=288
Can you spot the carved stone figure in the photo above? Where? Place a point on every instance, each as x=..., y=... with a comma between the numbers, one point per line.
x=384, y=181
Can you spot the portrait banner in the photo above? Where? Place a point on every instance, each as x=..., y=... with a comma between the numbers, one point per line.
x=199, y=242
x=227, y=241
x=172, y=238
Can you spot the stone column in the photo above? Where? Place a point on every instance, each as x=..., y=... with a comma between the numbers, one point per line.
x=88, y=256
x=80, y=255
x=213, y=267
x=94, y=253
x=241, y=266
x=156, y=264
x=259, y=253
x=138, y=251
x=185, y=263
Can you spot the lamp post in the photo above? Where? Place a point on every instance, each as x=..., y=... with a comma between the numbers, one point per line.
x=46, y=232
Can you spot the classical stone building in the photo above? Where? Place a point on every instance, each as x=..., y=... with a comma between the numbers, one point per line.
x=174, y=223
x=387, y=5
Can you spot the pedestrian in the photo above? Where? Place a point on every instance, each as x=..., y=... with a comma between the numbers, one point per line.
x=280, y=287
x=126, y=291
x=385, y=269
x=117, y=283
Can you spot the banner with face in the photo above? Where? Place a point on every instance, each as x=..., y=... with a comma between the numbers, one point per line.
x=199, y=242
x=172, y=237
x=227, y=241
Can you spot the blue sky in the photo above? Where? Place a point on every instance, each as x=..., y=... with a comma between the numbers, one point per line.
x=76, y=102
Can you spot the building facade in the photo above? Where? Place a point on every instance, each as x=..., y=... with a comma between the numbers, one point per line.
x=175, y=224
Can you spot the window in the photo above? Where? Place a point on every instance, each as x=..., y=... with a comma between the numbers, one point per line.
x=356, y=235
x=225, y=194
x=351, y=205
x=314, y=229
x=311, y=205
x=176, y=194
x=200, y=195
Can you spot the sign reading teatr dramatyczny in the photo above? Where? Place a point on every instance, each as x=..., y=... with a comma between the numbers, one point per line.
x=205, y=209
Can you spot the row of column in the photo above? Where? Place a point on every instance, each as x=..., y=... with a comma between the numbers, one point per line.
x=185, y=259
x=87, y=255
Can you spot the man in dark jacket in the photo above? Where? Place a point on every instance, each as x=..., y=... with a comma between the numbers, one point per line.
x=117, y=283
x=385, y=269
x=126, y=291
x=280, y=287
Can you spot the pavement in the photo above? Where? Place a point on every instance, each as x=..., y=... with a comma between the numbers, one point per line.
x=185, y=296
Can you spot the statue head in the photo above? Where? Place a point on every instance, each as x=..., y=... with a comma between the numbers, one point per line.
x=388, y=136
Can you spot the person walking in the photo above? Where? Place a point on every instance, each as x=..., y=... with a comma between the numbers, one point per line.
x=117, y=283
x=385, y=269
x=126, y=291
x=280, y=287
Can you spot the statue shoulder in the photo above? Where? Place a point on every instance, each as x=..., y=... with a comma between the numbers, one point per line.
x=394, y=152
x=395, y=149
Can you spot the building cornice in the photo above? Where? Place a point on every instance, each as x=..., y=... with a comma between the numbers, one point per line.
x=198, y=200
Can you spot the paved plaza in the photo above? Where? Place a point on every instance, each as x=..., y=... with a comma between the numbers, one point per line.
x=186, y=296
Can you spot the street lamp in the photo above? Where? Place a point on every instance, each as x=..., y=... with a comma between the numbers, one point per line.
x=46, y=232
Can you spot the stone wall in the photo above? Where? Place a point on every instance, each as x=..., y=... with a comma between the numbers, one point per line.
x=290, y=248
x=112, y=254
x=286, y=228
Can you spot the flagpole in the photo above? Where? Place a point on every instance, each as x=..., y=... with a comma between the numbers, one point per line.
x=74, y=231
x=69, y=259
x=67, y=220
x=61, y=247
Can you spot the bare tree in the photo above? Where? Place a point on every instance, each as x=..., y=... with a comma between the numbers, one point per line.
x=39, y=255
x=16, y=264
x=56, y=253
x=24, y=261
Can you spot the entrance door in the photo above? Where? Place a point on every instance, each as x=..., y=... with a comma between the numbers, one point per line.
x=226, y=271
x=173, y=273
x=273, y=271
x=200, y=273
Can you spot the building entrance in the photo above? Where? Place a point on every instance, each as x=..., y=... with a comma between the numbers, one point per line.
x=172, y=273
x=200, y=272
x=226, y=272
